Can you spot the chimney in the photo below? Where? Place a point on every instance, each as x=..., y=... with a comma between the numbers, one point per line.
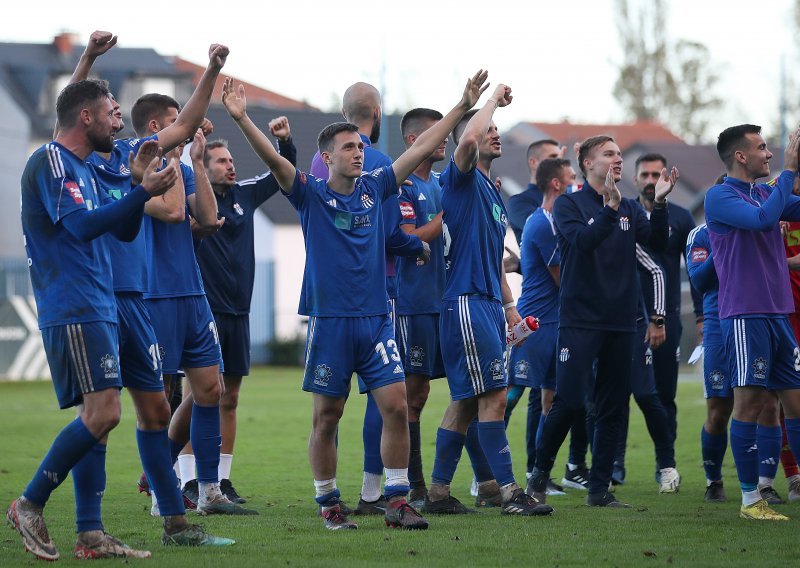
x=65, y=41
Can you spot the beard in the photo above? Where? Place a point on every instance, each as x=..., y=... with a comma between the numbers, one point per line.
x=375, y=133
x=649, y=192
x=101, y=143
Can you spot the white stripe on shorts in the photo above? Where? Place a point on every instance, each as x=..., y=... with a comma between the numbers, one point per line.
x=740, y=343
x=470, y=348
x=312, y=327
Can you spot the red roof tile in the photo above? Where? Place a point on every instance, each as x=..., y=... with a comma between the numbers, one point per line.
x=626, y=135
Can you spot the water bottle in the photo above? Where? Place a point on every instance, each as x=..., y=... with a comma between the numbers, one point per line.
x=521, y=330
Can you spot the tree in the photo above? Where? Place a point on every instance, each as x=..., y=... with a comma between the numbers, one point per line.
x=667, y=81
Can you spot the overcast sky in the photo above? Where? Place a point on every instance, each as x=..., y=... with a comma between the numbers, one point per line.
x=558, y=57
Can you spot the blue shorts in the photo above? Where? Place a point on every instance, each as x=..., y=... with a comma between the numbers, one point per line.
x=83, y=358
x=234, y=341
x=762, y=352
x=186, y=333
x=472, y=333
x=338, y=347
x=643, y=377
x=418, y=340
x=716, y=374
x=139, y=356
x=533, y=364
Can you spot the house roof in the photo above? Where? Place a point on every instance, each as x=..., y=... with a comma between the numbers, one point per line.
x=255, y=95
x=568, y=133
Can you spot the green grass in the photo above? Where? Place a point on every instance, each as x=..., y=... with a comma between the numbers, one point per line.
x=271, y=469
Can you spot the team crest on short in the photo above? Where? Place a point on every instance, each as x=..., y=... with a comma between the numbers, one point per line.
x=496, y=368
x=717, y=380
x=760, y=368
x=563, y=355
x=367, y=201
x=322, y=375
x=109, y=365
x=238, y=209
x=624, y=223
x=521, y=369
x=416, y=355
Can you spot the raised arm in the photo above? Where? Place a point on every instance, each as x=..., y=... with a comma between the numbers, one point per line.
x=169, y=207
x=466, y=154
x=202, y=202
x=724, y=207
x=236, y=105
x=194, y=111
x=429, y=140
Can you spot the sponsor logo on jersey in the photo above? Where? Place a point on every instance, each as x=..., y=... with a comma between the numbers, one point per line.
x=109, y=365
x=496, y=368
x=238, y=209
x=717, y=380
x=760, y=368
x=499, y=215
x=431, y=216
x=699, y=254
x=624, y=223
x=367, y=201
x=407, y=210
x=115, y=194
x=343, y=220
x=361, y=221
x=74, y=192
x=416, y=356
x=564, y=354
x=322, y=375
x=521, y=369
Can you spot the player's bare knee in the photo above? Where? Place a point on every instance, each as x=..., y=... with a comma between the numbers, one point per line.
x=229, y=401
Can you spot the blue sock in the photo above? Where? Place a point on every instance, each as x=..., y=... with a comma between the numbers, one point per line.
x=448, y=451
x=206, y=440
x=745, y=453
x=371, y=434
x=327, y=499
x=495, y=445
x=480, y=465
x=713, y=449
x=89, y=480
x=769, y=440
x=68, y=448
x=154, y=451
x=175, y=450
x=793, y=434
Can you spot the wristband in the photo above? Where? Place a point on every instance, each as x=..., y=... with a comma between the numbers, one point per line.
x=509, y=305
x=657, y=205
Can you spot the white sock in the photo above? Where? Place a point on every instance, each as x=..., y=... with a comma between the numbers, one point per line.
x=154, y=509
x=324, y=487
x=528, y=475
x=571, y=466
x=371, y=489
x=177, y=469
x=186, y=467
x=208, y=491
x=750, y=497
x=709, y=481
x=225, y=461
x=765, y=481
x=394, y=478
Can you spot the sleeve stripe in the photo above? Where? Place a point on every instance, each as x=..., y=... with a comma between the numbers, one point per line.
x=658, y=279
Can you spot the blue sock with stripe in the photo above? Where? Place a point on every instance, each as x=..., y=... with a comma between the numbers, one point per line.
x=71, y=444
x=206, y=440
x=745, y=453
x=769, y=440
x=495, y=445
x=713, y=449
x=371, y=435
x=480, y=465
x=89, y=480
x=154, y=451
x=448, y=451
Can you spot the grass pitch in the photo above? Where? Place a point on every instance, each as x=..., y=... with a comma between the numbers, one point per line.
x=271, y=470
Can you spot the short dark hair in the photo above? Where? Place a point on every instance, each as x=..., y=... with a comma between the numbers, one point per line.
x=462, y=124
x=536, y=145
x=150, y=106
x=650, y=157
x=548, y=169
x=590, y=144
x=325, y=138
x=213, y=145
x=732, y=139
x=76, y=96
x=413, y=119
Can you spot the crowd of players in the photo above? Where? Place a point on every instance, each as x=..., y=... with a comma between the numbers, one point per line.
x=143, y=270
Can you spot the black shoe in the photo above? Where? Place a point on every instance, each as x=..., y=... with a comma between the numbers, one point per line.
x=523, y=504
x=229, y=491
x=771, y=496
x=377, y=507
x=605, y=499
x=449, y=506
x=577, y=478
x=191, y=495
x=401, y=515
x=416, y=498
x=618, y=475
x=486, y=500
x=715, y=493
x=537, y=486
x=554, y=488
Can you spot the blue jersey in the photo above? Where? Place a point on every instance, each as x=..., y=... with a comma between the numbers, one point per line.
x=172, y=266
x=421, y=287
x=345, y=270
x=539, y=251
x=71, y=278
x=128, y=260
x=703, y=275
x=474, y=227
x=520, y=207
